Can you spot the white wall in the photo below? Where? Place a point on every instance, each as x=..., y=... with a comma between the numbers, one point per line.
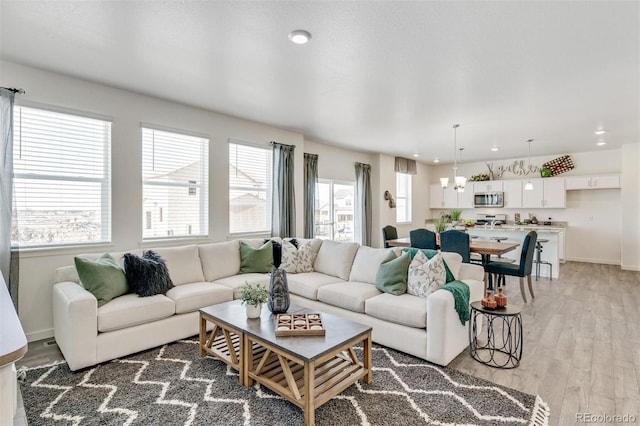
x=128, y=110
x=591, y=215
x=631, y=206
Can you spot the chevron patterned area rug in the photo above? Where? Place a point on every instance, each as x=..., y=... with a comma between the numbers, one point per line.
x=171, y=385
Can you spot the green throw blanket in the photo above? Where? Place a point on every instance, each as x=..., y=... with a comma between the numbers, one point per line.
x=461, y=296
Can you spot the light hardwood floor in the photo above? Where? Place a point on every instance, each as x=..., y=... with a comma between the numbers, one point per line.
x=581, y=343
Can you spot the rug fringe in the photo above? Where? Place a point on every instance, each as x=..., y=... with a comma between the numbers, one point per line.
x=540, y=413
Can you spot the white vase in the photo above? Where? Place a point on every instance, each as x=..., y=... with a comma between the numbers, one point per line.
x=253, y=311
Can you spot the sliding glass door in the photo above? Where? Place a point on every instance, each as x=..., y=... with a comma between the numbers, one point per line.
x=334, y=210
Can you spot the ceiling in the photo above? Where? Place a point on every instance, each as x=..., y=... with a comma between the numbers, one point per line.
x=388, y=76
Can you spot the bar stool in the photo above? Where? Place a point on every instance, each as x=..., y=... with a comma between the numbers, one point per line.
x=538, y=261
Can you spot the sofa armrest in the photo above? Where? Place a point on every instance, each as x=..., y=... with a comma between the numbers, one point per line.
x=471, y=271
x=75, y=324
x=446, y=336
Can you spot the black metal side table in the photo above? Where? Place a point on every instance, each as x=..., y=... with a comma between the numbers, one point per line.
x=503, y=347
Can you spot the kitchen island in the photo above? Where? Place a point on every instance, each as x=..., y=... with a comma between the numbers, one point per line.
x=552, y=251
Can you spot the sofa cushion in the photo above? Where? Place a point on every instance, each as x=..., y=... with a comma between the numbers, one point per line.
x=404, y=309
x=147, y=275
x=392, y=274
x=191, y=297
x=308, y=283
x=296, y=260
x=347, y=295
x=335, y=258
x=366, y=262
x=426, y=275
x=220, y=260
x=183, y=263
x=104, y=278
x=254, y=260
x=131, y=310
x=315, y=242
x=236, y=281
x=70, y=273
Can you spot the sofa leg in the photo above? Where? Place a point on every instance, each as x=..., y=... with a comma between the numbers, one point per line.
x=524, y=296
x=533, y=296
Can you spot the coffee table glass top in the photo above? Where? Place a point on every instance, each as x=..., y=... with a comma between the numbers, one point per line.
x=308, y=348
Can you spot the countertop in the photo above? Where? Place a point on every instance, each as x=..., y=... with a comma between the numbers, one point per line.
x=519, y=228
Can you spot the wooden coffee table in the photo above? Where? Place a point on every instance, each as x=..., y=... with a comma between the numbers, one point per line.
x=306, y=370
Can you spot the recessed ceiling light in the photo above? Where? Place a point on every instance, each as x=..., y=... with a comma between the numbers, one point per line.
x=495, y=148
x=416, y=155
x=436, y=160
x=600, y=132
x=299, y=36
x=601, y=142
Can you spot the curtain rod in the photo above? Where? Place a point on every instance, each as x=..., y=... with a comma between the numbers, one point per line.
x=283, y=144
x=14, y=90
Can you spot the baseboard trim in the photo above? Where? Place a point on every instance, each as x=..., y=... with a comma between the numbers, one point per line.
x=630, y=267
x=588, y=260
x=40, y=335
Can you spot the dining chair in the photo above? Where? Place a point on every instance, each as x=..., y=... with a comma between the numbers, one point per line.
x=423, y=239
x=389, y=233
x=521, y=270
x=456, y=241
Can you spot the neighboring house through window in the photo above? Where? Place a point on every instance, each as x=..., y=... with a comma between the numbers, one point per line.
x=403, y=198
x=175, y=174
x=334, y=210
x=62, y=178
x=250, y=175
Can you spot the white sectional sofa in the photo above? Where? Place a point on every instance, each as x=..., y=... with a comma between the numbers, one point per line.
x=342, y=283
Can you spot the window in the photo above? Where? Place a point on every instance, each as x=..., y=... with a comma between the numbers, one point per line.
x=62, y=178
x=250, y=172
x=403, y=198
x=175, y=174
x=334, y=210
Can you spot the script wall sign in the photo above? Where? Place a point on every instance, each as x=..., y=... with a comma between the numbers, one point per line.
x=517, y=168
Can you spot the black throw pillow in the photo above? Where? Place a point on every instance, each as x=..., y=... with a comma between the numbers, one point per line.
x=277, y=251
x=147, y=275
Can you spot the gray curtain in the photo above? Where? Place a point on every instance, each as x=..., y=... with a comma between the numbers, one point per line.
x=362, y=205
x=6, y=188
x=310, y=181
x=405, y=165
x=283, y=217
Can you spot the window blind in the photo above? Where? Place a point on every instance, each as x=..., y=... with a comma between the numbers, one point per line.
x=175, y=174
x=250, y=175
x=62, y=178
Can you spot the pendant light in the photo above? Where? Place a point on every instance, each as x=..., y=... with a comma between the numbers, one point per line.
x=459, y=181
x=529, y=186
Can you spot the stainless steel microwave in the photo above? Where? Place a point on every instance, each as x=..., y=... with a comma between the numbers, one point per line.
x=488, y=199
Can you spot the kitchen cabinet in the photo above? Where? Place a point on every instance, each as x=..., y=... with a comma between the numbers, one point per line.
x=448, y=198
x=465, y=199
x=512, y=193
x=546, y=193
x=487, y=186
x=592, y=182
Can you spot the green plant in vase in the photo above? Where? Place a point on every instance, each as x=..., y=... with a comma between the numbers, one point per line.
x=253, y=297
x=440, y=224
x=455, y=215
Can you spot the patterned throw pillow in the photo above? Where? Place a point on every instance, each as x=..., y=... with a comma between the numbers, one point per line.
x=297, y=260
x=426, y=275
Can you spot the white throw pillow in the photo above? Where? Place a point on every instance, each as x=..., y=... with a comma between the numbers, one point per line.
x=297, y=260
x=426, y=275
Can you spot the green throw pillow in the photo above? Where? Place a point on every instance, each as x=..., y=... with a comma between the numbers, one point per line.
x=256, y=260
x=392, y=274
x=104, y=278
